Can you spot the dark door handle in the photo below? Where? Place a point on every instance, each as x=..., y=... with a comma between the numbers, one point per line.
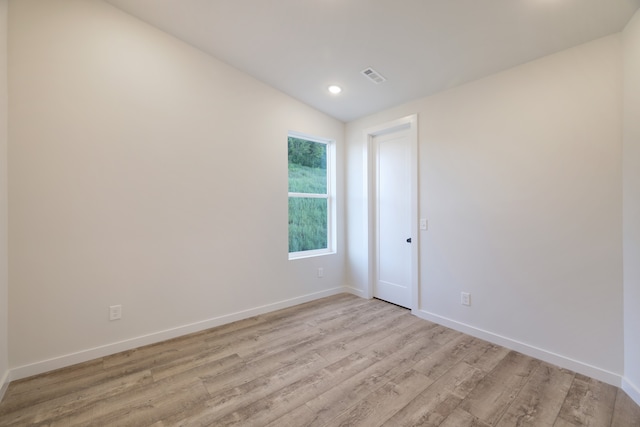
x=409, y=240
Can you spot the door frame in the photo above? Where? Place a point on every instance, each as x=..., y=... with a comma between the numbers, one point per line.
x=409, y=123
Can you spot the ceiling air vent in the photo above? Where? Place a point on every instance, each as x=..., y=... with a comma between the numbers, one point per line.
x=373, y=75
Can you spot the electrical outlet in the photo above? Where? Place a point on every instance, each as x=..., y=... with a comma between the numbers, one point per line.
x=465, y=298
x=115, y=312
x=320, y=272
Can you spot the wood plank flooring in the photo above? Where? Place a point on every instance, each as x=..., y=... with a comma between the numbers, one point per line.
x=338, y=361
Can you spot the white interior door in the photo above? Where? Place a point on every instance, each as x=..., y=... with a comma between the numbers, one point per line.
x=393, y=218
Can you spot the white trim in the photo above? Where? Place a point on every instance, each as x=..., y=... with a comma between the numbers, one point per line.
x=538, y=353
x=409, y=123
x=105, y=350
x=355, y=291
x=310, y=254
x=4, y=383
x=367, y=217
x=631, y=389
x=312, y=138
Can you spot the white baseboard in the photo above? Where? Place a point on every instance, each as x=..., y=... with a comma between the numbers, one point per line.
x=355, y=291
x=105, y=350
x=631, y=389
x=4, y=383
x=547, y=356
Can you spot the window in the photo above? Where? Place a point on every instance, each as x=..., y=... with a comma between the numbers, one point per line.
x=311, y=188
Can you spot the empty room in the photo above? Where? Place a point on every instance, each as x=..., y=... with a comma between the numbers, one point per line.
x=202, y=224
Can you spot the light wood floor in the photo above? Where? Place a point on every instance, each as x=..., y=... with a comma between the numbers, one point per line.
x=339, y=361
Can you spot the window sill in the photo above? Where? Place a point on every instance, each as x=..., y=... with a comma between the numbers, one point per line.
x=310, y=254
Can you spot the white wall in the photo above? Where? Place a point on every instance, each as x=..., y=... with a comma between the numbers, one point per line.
x=143, y=173
x=631, y=212
x=520, y=179
x=4, y=291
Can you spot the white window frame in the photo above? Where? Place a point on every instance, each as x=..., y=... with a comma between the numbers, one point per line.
x=330, y=196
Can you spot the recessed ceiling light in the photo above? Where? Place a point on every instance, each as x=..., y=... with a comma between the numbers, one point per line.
x=334, y=89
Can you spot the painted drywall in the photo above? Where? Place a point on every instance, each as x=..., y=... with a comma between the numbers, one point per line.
x=631, y=207
x=520, y=180
x=143, y=173
x=4, y=277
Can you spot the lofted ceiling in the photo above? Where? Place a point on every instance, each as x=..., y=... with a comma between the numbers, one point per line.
x=420, y=46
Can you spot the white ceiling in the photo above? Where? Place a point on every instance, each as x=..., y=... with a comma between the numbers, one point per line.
x=421, y=46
